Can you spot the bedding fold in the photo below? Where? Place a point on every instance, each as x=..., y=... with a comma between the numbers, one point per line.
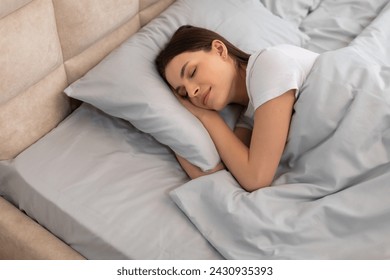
x=329, y=199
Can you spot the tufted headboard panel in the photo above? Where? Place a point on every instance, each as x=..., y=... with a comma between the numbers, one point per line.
x=47, y=44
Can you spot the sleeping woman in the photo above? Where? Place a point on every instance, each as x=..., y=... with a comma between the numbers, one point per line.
x=207, y=73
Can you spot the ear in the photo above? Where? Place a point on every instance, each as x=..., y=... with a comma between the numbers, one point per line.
x=220, y=48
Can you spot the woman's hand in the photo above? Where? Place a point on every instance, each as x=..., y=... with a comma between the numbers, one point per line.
x=193, y=171
x=198, y=112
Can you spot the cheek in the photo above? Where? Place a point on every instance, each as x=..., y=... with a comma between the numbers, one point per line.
x=220, y=75
x=225, y=80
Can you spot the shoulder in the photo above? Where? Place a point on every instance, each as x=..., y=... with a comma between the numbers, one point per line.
x=274, y=57
x=270, y=68
x=280, y=61
x=275, y=70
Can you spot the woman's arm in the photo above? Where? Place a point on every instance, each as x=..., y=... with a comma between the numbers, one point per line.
x=244, y=135
x=253, y=167
x=194, y=171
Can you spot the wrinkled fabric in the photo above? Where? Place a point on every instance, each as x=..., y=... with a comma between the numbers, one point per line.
x=330, y=196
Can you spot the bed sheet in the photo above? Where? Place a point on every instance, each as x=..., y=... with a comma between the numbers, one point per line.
x=128, y=213
x=103, y=187
x=330, y=196
x=334, y=24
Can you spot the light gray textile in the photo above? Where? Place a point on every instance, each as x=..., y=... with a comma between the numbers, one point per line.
x=292, y=10
x=102, y=187
x=335, y=23
x=126, y=84
x=330, y=198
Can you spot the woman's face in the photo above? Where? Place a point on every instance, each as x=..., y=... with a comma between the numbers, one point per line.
x=206, y=78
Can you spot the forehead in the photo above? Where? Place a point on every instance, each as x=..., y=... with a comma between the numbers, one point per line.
x=178, y=61
x=174, y=67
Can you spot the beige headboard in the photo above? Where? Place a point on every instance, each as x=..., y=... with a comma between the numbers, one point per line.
x=47, y=44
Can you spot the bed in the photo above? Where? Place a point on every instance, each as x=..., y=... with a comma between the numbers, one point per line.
x=88, y=130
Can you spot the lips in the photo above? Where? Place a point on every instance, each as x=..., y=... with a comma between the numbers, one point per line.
x=206, y=96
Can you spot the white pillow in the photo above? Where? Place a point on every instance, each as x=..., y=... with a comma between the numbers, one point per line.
x=126, y=84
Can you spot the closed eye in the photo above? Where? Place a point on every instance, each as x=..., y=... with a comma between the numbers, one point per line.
x=193, y=72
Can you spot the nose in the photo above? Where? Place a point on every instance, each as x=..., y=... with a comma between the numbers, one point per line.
x=192, y=90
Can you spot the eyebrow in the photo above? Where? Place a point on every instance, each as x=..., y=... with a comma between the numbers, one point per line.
x=183, y=69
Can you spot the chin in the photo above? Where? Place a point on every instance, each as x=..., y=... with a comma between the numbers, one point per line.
x=219, y=106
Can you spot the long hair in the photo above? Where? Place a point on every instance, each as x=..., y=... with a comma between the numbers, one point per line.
x=190, y=39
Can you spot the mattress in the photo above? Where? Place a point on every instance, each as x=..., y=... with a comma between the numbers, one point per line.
x=95, y=190
x=111, y=191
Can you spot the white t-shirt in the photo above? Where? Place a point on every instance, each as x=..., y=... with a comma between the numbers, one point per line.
x=272, y=72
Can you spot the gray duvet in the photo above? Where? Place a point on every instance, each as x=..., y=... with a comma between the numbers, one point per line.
x=110, y=191
x=331, y=196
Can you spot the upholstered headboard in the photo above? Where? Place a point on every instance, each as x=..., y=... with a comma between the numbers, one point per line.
x=47, y=44
x=44, y=46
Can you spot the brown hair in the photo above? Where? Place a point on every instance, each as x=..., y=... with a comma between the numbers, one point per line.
x=189, y=38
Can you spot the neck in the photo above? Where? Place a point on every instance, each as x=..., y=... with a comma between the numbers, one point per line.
x=241, y=93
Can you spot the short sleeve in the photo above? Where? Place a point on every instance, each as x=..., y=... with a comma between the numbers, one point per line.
x=272, y=72
x=276, y=70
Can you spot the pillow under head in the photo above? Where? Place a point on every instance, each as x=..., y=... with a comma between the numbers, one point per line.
x=126, y=84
